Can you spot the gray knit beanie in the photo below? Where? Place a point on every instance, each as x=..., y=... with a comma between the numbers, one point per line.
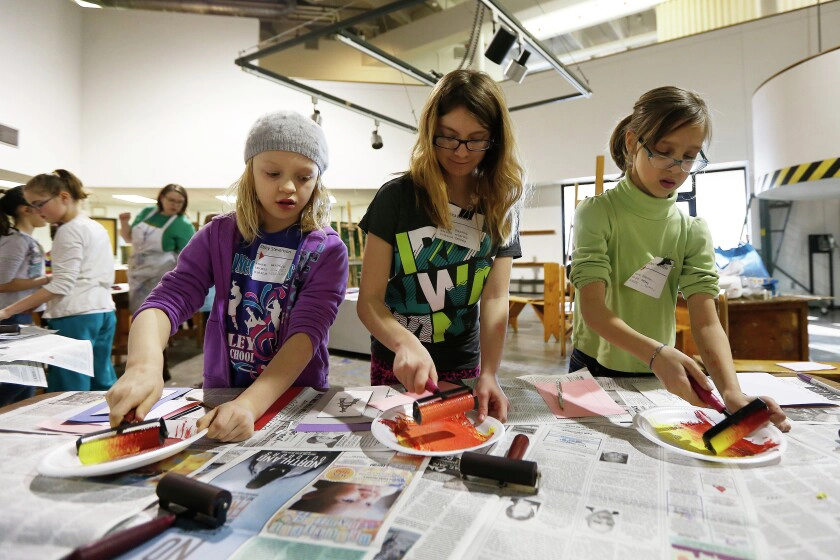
x=288, y=131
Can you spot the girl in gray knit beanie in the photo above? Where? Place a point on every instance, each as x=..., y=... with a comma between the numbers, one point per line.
x=277, y=140
x=280, y=274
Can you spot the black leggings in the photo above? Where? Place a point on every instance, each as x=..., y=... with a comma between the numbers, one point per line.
x=579, y=360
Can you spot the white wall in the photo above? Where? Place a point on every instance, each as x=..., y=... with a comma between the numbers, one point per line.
x=164, y=102
x=40, y=73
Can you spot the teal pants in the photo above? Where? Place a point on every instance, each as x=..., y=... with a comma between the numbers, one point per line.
x=98, y=328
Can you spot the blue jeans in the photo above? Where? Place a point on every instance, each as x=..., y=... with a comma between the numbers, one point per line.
x=99, y=329
x=12, y=392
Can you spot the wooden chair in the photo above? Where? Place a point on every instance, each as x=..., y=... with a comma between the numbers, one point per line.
x=551, y=309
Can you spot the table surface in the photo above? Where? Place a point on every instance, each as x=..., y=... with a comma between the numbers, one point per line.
x=572, y=470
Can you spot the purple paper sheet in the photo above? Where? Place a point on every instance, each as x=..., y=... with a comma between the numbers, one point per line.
x=89, y=416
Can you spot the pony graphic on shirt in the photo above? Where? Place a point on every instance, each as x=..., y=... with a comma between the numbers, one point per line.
x=259, y=342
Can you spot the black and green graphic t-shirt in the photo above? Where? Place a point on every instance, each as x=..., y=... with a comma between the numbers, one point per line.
x=435, y=284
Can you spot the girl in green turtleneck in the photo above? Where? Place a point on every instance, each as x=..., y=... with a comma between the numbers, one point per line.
x=634, y=250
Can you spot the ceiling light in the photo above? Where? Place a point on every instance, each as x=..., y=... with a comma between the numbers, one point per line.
x=8, y=184
x=332, y=199
x=516, y=69
x=316, y=114
x=352, y=40
x=580, y=15
x=84, y=4
x=228, y=198
x=501, y=44
x=375, y=138
x=136, y=199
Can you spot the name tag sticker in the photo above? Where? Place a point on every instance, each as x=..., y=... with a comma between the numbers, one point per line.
x=273, y=263
x=464, y=232
x=651, y=278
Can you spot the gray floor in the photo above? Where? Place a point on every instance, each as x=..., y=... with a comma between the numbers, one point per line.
x=525, y=353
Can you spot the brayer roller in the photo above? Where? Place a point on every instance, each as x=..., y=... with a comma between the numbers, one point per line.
x=442, y=404
x=183, y=497
x=735, y=426
x=510, y=469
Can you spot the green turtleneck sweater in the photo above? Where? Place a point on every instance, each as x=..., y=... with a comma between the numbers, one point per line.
x=615, y=235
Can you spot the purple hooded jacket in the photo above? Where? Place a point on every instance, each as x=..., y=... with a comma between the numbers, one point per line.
x=318, y=288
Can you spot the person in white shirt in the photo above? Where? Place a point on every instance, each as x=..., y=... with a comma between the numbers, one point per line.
x=21, y=269
x=78, y=297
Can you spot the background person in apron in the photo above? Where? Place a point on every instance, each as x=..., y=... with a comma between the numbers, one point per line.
x=157, y=235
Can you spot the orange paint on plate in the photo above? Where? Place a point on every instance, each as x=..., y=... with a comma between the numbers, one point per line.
x=447, y=434
x=689, y=436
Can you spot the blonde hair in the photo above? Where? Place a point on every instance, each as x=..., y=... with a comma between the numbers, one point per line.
x=656, y=114
x=315, y=215
x=501, y=181
x=53, y=183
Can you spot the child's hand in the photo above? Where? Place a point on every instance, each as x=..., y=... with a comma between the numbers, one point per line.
x=125, y=216
x=232, y=421
x=672, y=367
x=491, y=398
x=738, y=400
x=133, y=395
x=413, y=366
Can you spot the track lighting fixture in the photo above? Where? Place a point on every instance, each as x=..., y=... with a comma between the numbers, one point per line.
x=501, y=44
x=316, y=114
x=516, y=69
x=375, y=138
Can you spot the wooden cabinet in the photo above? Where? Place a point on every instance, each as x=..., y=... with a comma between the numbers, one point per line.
x=773, y=329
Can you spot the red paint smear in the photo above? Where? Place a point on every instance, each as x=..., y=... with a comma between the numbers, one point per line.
x=447, y=434
x=689, y=436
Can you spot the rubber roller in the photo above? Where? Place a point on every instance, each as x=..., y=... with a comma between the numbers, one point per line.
x=510, y=469
x=185, y=497
x=443, y=404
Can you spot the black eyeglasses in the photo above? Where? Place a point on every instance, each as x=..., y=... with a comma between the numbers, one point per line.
x=41, y=203
x=449, y=143
x=661, y=161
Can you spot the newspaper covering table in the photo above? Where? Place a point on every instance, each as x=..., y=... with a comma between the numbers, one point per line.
x=605, y=492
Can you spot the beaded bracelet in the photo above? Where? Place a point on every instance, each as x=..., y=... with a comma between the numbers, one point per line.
x=655, y=354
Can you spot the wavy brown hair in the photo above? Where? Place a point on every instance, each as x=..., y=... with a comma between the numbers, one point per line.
x=657, y=113
x=501, y=180
x=315, y=215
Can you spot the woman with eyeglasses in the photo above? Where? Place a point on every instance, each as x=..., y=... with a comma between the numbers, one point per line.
x=157, y=235
x=441, y=241
x=21, y=269
x=78, y=296
x=635, y=250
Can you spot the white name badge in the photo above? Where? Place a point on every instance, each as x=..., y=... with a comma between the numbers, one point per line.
x=651, y=278
x=273, y=263
x=464, y=232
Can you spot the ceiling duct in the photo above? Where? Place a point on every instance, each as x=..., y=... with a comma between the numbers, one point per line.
x=263, y=9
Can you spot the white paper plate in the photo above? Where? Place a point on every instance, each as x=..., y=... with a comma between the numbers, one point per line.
x=386, y=437
x=63, y=462
x=646, y=421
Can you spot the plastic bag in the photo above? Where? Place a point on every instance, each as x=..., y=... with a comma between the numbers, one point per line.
x=744, y=259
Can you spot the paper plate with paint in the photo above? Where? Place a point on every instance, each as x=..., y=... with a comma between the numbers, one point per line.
x=396, y=429
x=680, y=429
x=63, y=461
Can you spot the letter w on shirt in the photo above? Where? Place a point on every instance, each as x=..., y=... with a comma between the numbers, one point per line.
x=435, y=297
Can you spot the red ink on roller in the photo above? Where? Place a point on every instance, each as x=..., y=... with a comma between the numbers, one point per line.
x=735, y=426
x=442, y=404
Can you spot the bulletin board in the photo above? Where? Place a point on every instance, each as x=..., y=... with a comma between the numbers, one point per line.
x=110, y=225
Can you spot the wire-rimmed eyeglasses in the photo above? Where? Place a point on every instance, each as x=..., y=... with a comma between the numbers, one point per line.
x=661, y=161
x=41, y=203
x=449, y=143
